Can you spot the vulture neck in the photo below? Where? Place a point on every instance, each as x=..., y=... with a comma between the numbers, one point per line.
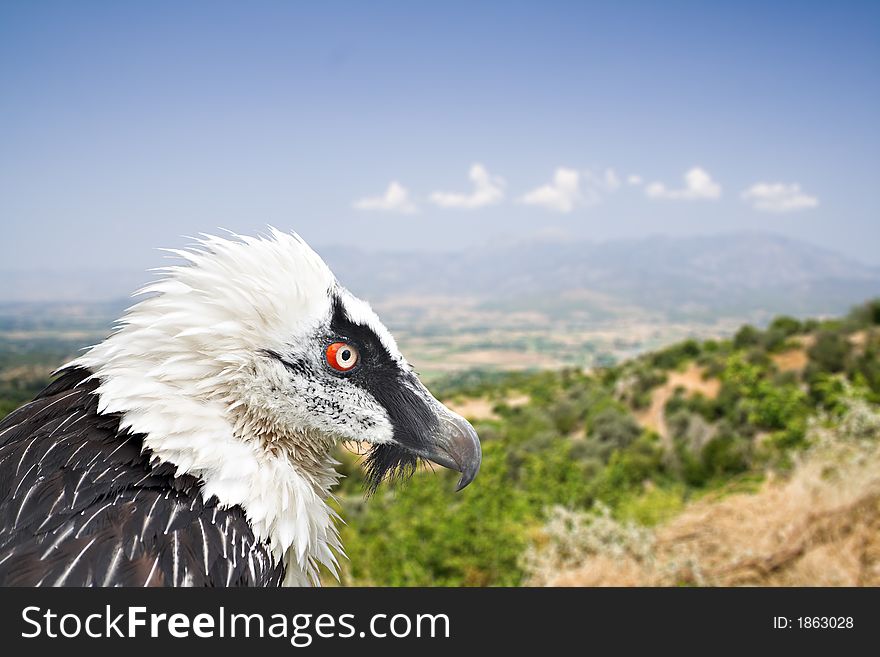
x=281, y=479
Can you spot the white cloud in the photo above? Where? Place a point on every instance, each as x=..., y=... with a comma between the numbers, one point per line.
x=778, y=197
x=395, y=199
x=607, y=181
x=633, y=179
x=488, y=190
x=698, y=184
x=561, y=195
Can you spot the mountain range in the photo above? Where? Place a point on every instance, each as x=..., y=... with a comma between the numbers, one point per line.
x=743, y=275
x=736, y=275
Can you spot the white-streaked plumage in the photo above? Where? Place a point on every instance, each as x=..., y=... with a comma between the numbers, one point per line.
x=175, y=369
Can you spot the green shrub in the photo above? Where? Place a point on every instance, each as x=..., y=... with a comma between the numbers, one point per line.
x=726, y=455
x=867, y=314
x=829, y=353
x=786, y=325
x=774, y=340
x=671, y=357
x=421, y=534
x=653, y=506
x=746, y=336
x=629, y=469
x=865, y=368
x=614, y=428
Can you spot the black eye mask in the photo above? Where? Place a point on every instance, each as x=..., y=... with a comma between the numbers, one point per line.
x=398, y=391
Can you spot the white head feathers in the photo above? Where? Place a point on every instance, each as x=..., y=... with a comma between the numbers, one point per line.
x=186, y=368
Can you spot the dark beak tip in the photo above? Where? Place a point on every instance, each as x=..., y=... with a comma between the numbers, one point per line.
x=458, y=448
x=466, y=478
x=466, y=452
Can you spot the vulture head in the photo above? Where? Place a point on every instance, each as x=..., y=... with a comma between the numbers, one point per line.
x=245, y=365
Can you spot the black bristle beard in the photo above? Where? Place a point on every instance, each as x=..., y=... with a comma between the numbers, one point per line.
x=388, y=461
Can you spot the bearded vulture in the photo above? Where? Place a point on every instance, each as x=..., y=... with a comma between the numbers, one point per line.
x=193, y=447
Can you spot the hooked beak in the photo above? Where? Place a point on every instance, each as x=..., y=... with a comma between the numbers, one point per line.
x=423, y=428
x=456, y=446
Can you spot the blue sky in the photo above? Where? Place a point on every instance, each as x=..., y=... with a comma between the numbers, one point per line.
x=125, y=126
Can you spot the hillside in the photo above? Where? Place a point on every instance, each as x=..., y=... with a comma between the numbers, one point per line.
x=741, y=461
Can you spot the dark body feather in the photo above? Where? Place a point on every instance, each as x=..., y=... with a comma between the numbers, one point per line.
x=81, y=504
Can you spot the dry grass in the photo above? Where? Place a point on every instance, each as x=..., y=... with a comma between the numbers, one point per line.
x=474, y=408
x=793, y=360
x=859, y=339
x=805, y=341
x=481, y=408
x=818, y=527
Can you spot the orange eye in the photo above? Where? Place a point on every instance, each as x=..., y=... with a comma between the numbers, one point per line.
x=341, y=356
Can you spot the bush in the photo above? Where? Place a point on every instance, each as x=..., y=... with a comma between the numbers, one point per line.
x=629, y=469
x=570, y=537
x=785, y=325
x=614, y=428
x=726, y=455
x=865, y=369
x=829, y=353
x=566, y=415
x=774, y=340
x=746, y=336
x=671, y=357
x=653, y=506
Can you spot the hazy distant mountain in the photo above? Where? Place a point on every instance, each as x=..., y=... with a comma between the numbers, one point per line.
x=79, y=286
x=699, y=277
x=738, y=275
